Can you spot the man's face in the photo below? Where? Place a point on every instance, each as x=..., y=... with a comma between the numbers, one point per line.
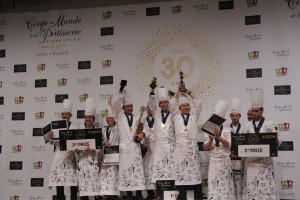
x=164, y=105
x=66, y=115
x=89, y=120
x=110, y=121
x=128, y=109
x=249, y=115
x=257, y=113
x=185, y=108
x=235, y=117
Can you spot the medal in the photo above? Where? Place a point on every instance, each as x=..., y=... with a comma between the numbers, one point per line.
x=130, y=129
x=151, y=130
x=162, y=126
x=217, y=149
x=185, y=129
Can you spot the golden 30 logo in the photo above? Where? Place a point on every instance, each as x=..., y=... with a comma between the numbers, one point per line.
x=253, y=139
x=80, y=134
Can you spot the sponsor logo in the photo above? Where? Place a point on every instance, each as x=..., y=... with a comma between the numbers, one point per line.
x=36, y=198
x=83, y=97
x=84, y=64
x=253, y=89
x=281, y=71
x=105, y=80
x=41, y=67
x=19, y=100
x=106, y=47
x=282, y=53
x=283, y=108
x=17, y=132
x=15, y=182
x=20, y=68
x=103, y=113
x=17, y=149
x=62, y=82
x=16, y=116
x=253, y=55
x=254, y=37
x=286, y=165
x=40, y=83
x=80, y=114
x=38, y=148
x=1, y=38
x=251, y=3
x=288, y=184
x=288, y=195
x=15, y=197
x=286, y=146
x=38, y=165
x=37, y=182
x=176, y=9
x=153, y=11
x=20, y=84
x=107, y=15
x=37, y=132
x=1, y=83
x=0, y=153
x=15, y=165
x=55, y=29
x=254, y=73
x=251, y=20
x=59, y=98
x=106, y=63
x=200, y=6
x=129, y=13
x=62, y=65
x=1, y=100
x=2, y=53
x=283, y=127
x=40, y=99
x=2, y=68
x=226, y=5
x=105, y=96
x=1, y=116
x=84, y=81
x=282, y=89
x=105, y=31
x=57, y=115
x=39, y=115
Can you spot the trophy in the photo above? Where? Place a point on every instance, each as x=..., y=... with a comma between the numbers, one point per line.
x=182, y=89
x=153, y=83
x=123, y=84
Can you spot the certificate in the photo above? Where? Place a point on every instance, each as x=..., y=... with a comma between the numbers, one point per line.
x=59, y=124
x=213, y=122
x=80, y=139
x=111, y=155
x=254, y=145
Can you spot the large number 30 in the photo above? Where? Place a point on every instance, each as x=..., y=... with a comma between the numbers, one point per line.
x=171, y=66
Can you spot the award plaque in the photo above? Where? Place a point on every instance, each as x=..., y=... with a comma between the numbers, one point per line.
x=254, y=145
x=80, y=139
x=59, y=124
x=213, y=122
x=167, y=190
x=46, y=130
x=111, y=155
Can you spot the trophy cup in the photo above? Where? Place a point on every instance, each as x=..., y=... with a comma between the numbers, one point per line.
x=123, y=84
x=153, y=83
x=182, y=89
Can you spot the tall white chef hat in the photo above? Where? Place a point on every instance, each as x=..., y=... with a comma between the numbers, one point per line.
x=90, y=106
x=236, y=105
x=109, y=112
x=183, y=99
x=163, y=94
x=127, y=98
x=67, y=105
x=257, y=99
x=221, y=108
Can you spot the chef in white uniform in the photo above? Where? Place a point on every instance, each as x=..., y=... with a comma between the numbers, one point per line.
x=88, y=172
x=220, y=181
x=63, y=170
x=259, y=183
x=187, y=159
x=131, y=170
x=110, y=173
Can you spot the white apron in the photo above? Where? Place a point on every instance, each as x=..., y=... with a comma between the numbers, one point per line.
x=187, y=162
x=63, y=169
x=110, y=173
x=148, y=160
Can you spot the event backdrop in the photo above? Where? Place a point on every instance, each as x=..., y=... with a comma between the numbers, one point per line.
x=224, y=48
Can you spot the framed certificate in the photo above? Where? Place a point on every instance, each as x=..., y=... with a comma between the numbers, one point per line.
x=111, y=155
x=80, y=139
x=254, y=145
x=46, y=130
x=213, y=122
x=59, y=124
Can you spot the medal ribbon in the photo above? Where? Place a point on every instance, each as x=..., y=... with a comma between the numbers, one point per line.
x=257, y=128
x=129, y=120
x=238, y=128
x=108, y=130
x=164, y=118
x=150, y=122
x=185, y=120
x=220, y=133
